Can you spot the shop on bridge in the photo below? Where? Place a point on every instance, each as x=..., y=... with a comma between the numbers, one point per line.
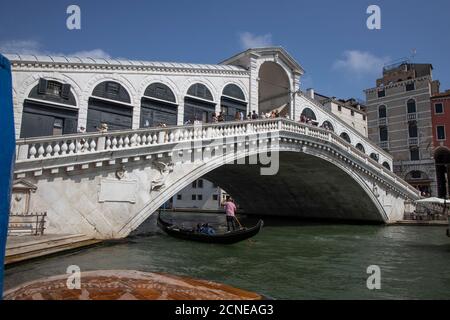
x=50, y=109
x=158, y=106
x=109, y=104
x=199, y=104
x=232, y=102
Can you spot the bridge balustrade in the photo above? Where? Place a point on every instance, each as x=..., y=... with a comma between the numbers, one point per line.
x=69, y=145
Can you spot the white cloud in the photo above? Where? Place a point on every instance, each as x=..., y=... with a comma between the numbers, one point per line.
x=35, y=48
x=360, y=62
x=250, y=40
x=21, y=47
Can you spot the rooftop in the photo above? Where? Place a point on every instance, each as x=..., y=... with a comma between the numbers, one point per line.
x=21, y=58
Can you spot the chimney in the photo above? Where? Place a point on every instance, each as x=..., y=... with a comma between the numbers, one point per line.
x=310, y=93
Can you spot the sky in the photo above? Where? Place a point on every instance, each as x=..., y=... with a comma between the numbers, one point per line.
x=329, y=39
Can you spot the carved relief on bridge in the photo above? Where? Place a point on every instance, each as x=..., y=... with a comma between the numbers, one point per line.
x=165, y=168
x=21, y=196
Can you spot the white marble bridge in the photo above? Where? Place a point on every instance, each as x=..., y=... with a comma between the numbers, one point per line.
x=107, y=184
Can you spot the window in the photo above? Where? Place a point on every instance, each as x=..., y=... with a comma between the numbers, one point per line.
x=200, y=197
x=381, y=93
x=194, y=185
x=194, y=197
x=383, y=134
x=352, y=113
x=440, y=132
x=200, y=184
x=179, y=197
x=215, y=197
x=438, y=108
x=414, y=154
x=54, y=88
x=339, y=108
x=411, y=106
x=413, y=130
x=364, y=118
x=112, y=88
x=382, y=112
x=410, y=86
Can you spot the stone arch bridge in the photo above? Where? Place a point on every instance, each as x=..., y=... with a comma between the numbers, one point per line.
x=107, y=184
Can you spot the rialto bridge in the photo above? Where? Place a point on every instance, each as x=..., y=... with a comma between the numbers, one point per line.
x=106, y=184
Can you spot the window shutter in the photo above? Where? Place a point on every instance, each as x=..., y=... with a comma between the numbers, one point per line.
x=42, y=89
x=65, y=92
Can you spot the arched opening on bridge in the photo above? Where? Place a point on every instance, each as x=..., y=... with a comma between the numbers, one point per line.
x=360, y=147
x=375, y=156
x=309, y=114
x=328, y=126
x=233, y=102
x=109, y=104
x=49, y=110
x=199, y=104
x=158, y=106
x=298, y=189
x=420, y=181
x=274, y=89
x=387, y=166
x=442, y=160
x=346, y=137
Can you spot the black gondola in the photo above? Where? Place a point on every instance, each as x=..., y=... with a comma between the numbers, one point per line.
x=221, y=238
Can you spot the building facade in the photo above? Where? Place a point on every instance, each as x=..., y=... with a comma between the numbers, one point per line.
x=440, y=114
x=202, y=194
x=399, y=121
x=350, y=111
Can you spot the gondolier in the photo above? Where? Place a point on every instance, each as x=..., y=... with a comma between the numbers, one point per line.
x=230, y=211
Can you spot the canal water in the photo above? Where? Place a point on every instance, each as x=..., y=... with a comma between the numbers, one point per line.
x=287, y=260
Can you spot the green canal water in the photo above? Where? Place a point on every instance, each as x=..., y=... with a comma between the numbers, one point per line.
x=287, y=260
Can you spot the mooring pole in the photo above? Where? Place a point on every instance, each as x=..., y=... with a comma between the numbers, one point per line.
x=7, y=156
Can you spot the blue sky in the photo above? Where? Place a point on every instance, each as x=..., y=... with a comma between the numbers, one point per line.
x=328, y=38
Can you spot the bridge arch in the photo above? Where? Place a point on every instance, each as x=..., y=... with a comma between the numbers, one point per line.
x=344, y=135
x=360, y=147
x=274, y=89
x=303, y=177
x=309, y=114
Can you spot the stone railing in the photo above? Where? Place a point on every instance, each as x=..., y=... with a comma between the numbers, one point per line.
x=52, y=148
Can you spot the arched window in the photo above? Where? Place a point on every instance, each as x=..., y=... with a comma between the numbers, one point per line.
x=360, y=147
x=327, y=125
x=382, y=112
x=411, y=104
x=49, y=110
x=198, y=104
x=111, y=90
x=387, y=166
x=346, y=137
x=309, y=114
x=200, y=91
x=158, y=106
x=374, y=156
x=233, y=103
x=233, y=91
x=109, y=104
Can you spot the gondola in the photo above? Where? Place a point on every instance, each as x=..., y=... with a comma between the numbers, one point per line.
x=220, y=238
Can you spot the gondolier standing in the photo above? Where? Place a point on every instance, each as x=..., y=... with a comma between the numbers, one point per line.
x=230, y=211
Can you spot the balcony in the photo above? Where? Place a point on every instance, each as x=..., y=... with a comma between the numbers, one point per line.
x=384, y=145
x=411, y=116
x=382, y=122
x=413, y=142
